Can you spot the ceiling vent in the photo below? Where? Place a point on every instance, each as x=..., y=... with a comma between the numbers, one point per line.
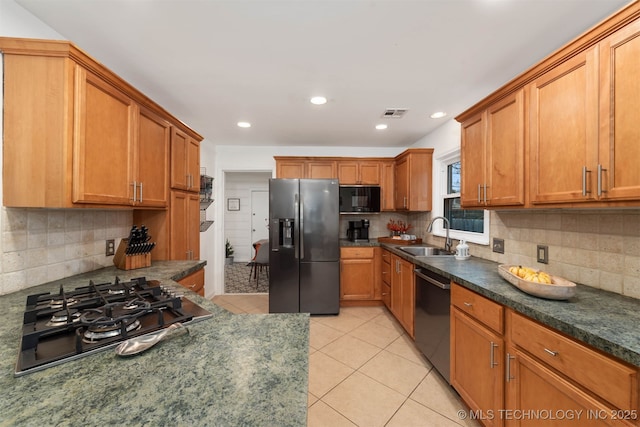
x=394, y=113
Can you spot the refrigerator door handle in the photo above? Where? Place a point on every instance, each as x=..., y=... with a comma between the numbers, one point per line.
x=296, y=228
x=301, y=228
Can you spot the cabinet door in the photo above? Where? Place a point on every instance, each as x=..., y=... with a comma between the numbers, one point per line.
x=356, y=279
x=505, y=152
x=348, y=172
x=369, y=173
x=194, y=282
x=618, y=173
x=532, y=387
x=179, y=173
x=564, y=119
x=477, y=370
x=321, y=170
x=185, y=226
x=472, y=155
x=103, y=142
x=407, y=299
x=290, y=169
x=402, y=184
x=193, y=225
x=387, y=186
x=152, y=160
x=193, y=165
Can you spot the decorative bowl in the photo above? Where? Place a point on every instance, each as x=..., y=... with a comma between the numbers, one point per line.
x=559, y=289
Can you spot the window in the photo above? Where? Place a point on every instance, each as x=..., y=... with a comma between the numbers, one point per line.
x=468, y=224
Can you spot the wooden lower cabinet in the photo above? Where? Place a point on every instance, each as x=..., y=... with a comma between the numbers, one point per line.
x=539, y=392
x=359, y=274
x=533, y=375
x=477, y=370
x=385, y=277
x=194, y=282
x=403, y=293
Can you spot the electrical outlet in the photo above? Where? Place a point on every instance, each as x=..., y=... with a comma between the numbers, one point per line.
x=543, y=254
x=110, y=247
x=498, y=245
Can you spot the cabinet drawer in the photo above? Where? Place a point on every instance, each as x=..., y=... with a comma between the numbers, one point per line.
x=356, y=252
x=479, y=307
x=609, y=379
x=194, y=282
x=386, y=257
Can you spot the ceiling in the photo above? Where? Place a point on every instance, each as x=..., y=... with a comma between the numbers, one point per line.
x=213, y=63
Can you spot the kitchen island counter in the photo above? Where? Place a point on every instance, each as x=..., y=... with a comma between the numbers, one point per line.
x=231, y=369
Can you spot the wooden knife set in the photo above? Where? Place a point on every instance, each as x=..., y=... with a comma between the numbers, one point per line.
x=134, y=251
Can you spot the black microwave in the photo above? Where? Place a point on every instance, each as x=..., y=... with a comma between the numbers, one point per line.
x=359, y=199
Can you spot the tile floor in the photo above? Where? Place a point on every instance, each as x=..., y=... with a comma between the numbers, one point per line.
x=365, y=371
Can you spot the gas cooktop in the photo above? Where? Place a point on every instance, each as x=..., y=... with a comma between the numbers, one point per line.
x=68, y=325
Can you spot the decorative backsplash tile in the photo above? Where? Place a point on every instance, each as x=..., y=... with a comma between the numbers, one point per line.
x=41, y=245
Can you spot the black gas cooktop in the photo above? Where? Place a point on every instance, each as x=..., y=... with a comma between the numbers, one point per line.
x=67, y=325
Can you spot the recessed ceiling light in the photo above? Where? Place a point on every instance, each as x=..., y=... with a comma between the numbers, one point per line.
x=318, y=100
x=438, y=115
x=244, y=124
x=381, y=127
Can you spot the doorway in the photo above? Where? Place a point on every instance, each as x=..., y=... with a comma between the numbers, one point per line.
x=259, y=215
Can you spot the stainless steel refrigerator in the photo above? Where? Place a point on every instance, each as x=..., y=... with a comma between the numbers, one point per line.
x=304, y=257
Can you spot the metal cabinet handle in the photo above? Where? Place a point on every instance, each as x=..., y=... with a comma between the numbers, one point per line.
x=492, y=362
x=135, y=185
x=485, y=194
x=479, y=186
x=508, y=360
x=585, y=171
x=553, y=353
x=600, y=190
x=468, y=304
x=141, y=192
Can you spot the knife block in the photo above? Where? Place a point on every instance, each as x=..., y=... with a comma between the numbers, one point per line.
x=130, y=262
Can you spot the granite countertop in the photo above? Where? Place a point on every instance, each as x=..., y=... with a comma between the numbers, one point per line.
x=605, y=320
x=230, y=370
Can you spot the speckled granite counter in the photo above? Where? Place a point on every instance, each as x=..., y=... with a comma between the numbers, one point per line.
x=231, y=370
x=605, y=320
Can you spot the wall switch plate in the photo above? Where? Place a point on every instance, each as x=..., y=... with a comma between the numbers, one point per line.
x=110, y=247
x=543, y=254
x=498, y=245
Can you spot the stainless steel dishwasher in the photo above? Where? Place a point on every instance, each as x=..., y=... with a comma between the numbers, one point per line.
x=433, y=297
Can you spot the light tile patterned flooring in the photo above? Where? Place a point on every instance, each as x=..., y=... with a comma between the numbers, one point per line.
x=365, y=371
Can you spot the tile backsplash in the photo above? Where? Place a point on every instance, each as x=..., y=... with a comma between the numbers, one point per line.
x=596, y=248
x=41, y=245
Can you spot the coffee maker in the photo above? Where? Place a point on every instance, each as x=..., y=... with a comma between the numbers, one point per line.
x=358, y=230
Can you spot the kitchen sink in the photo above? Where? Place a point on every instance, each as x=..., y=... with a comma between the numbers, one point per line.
x=425, y=251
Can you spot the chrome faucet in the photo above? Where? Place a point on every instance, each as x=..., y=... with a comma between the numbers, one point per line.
x=447, y=242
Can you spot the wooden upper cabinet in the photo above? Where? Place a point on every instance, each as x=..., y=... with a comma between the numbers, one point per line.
x=290, y=168
x=359, y=172
x=472, y=156
x=185, y=161
x=617, y=170
x=103, y=142
x=37, y=159
x=564, y=131
x=387, y=185
x=92, y=141
x=152, y=160
x=413, y=179
x=321, y=169
x=492, y=154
